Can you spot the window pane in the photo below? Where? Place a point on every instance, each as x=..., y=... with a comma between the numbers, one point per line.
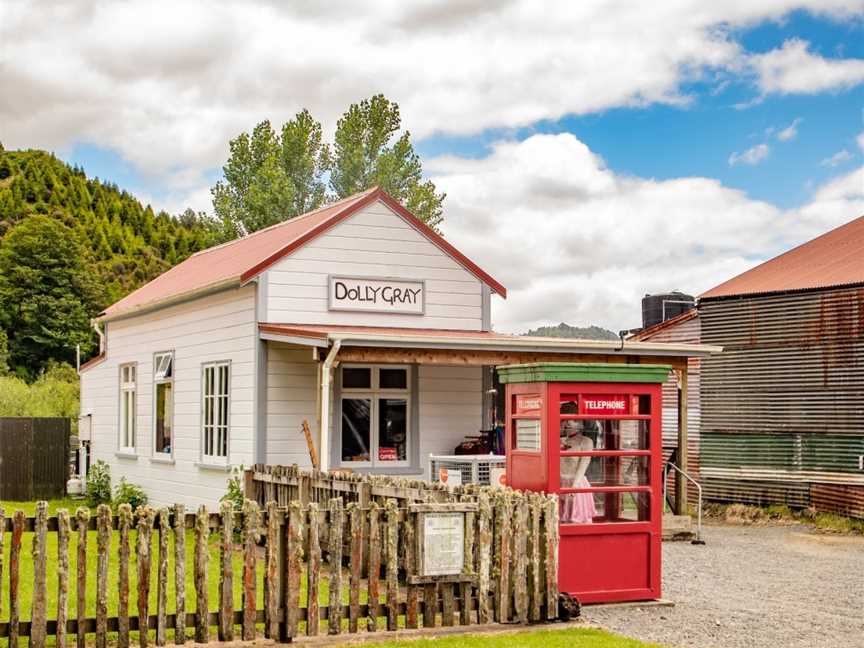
x=393, y=378
x=392, y=429
x=527, y=434
x=164, y=417
x=356, y=378
x=588, y=508
x=583, y=472
x=604, y=434
x=356, y=422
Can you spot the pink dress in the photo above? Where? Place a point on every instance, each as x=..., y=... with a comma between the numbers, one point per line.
x=577, y=508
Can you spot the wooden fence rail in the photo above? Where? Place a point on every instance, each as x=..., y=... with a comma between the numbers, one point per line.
x=366, y=556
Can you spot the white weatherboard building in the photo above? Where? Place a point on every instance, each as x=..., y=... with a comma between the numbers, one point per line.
x=356, y=317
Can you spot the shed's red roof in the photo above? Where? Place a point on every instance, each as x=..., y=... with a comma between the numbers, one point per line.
x=834, y=259
x=240, y=260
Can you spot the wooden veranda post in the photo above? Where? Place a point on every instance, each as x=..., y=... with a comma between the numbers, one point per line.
x=680, y=481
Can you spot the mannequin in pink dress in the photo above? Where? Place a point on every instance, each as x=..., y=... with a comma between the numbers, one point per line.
x=575, y=508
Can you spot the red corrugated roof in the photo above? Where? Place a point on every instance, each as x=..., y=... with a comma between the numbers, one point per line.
x=834, y=259
x=241, y=260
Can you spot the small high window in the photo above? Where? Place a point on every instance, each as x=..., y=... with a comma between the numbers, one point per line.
x=163, y=388
x=128, y=400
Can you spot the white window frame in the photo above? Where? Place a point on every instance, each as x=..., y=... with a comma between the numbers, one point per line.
x=218, y=425
x=374, y=394
x=128, y=408
x=160, y=377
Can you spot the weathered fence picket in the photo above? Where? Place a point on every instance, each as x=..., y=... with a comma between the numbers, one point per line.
x=509, y=570
x=103, y=542
x=179, y=574
x=202, y=559
x=124, y=523
x=334, y=560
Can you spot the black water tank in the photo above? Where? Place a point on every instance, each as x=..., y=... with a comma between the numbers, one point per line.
x=663, y=306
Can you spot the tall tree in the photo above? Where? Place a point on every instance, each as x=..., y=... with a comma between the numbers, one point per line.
x=271, y=177
x=365, y=155
x=47, y=295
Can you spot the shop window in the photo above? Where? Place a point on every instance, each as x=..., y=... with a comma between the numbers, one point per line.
x=375, y=416
x=215, y=393
x=163, y=379
x=128, y=403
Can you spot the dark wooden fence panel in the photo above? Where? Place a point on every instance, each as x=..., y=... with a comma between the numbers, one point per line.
x=34, y=458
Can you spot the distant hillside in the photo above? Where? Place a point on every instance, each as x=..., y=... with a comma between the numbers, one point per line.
x=563, y=330
x=70, y=246
x=130, y=243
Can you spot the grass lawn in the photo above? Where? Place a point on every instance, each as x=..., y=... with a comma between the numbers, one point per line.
x=569, y=638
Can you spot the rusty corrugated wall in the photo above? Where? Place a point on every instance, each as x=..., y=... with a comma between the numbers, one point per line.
x=783, y=405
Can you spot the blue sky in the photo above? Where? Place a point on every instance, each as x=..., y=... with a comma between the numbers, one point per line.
x=590, y=153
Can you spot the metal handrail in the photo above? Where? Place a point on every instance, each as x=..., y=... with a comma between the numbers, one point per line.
x=698, y=486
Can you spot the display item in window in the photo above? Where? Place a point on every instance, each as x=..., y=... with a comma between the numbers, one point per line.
x=575, y=508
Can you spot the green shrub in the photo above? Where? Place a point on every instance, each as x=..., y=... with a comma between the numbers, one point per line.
x=131, y=494
x=99, y=484
x=235, y=494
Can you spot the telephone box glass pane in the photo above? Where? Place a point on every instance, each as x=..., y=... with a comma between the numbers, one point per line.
x=584, y=472
x=590, y=508
x=526, y=434
x=593, y=434
x=356, y=419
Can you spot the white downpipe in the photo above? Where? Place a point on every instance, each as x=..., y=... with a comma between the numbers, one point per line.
x=324, y=445
x=101, y=335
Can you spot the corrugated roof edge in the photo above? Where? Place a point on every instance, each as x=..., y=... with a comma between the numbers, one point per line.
x=662, y=326
x=92, y=362
x=767, y=293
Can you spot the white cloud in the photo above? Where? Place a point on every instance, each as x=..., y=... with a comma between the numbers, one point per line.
x=166, y=84
x=794, y=69
x=754, y=155
x=860, y=140
x=837, y=159
x=575, y=242
x=791, y=131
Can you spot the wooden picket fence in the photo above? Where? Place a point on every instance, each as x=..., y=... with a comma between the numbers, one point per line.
x=357, y=552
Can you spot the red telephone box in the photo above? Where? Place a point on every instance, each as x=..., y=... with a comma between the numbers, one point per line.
x=592, y=434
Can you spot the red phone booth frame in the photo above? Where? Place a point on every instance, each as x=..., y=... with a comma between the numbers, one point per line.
x=612, y=558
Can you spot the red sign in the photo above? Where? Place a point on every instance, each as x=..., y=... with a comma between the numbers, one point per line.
x=605, y=404
x=386, y=454
x=528, y=404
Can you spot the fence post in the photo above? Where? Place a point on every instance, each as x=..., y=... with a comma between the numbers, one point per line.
x=82, y=517
x=145, y=534
x=103, y=544
x=520, y=585
x=535, y=578
x=551, y=556
x=225, y=630
x=124, y=522
x=162, y=584
x=374, y=571
x=468, y=549
x=313, y=614
x=202, y=558
x=272, y=595
x=38, y=618
x=2, y=537
x=409, y=541
x=250, y=542
x=18, y=521
x=355, y=514
x=392, y=564
x=179, y=574
x=249, y=484
x=334, y=560
x=502, y=522
x=63, y=530
x=294, y=534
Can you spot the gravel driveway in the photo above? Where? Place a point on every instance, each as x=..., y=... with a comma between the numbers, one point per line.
x=775, y=586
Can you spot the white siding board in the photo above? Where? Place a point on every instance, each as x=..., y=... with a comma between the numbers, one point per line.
x=291, y=399
x=217, y=327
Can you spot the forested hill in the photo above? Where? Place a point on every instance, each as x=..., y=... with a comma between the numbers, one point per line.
x=69, y=247
x=129, y=244
x=563, y=330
